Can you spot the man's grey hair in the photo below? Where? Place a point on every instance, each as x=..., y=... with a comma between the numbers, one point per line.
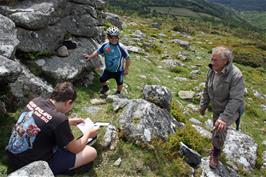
x=224, y=52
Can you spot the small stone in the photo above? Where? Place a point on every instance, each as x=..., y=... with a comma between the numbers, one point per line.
x=186, y=94
x=118, y=162
x=195, y=121
x=98, y=101
x=92, y=109
x=209, y=124
x=62, y=51
x=180, y=79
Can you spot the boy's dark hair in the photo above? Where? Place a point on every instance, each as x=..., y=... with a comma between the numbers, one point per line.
x=63, y=92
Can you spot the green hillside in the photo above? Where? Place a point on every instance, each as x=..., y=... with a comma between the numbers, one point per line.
x=215, y=11
x=255, y=18
x=246, y=5
x=253, y=11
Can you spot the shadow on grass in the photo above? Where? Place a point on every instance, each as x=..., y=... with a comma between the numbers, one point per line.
x=89, y=91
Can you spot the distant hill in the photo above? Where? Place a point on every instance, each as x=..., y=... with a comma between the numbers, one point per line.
x=203, y=8
x=255, y=18
x=244, y=5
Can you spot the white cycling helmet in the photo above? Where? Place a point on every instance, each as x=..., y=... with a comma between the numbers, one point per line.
x=113, y=31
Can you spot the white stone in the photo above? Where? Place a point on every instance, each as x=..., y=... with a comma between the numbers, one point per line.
x=40, y=62
x=118, y=162
x=186, y=94
x=98, y=101
x=203, y=131
x=181, y=79
x=147, y=135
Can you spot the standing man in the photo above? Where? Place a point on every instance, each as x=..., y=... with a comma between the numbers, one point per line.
x=116, y=56
x=224, y=89
x=43, y=132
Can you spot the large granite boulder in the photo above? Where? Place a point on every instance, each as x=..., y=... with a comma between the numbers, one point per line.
x=192, y=157
x=35, y=15
x=85, y=19
x=158, y=95
x=84, y=25
x=142, y=121
x=220, y=171
x=26, y=87
x=8, y=37
x=77, y=9
x=34, y=169
x=114, y=20
x=240, y=150
x=43, y=25
x=9, y=70
x=46, y=40
x=72, y=67
x=118, y=102
x=99, y=4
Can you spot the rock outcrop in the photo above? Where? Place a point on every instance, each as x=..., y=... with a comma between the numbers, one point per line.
x=158, y=95
x=192, y=157
x=42, y=24
x=8, y=37
x=49, y=38
x=142, y=121
x=220, y=171
x=9, y=70
x=34, y=169
x=72, y=67
x=240, y=150
x=27, y=86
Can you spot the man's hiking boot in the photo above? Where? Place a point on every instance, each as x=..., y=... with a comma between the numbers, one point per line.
x=214, y=158
x=117, y=92
x=104, y=89
x=213, y=161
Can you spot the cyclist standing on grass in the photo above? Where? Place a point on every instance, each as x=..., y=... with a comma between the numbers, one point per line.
x=116, y=60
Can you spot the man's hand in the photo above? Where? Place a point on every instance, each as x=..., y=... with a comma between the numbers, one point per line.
x=126, y=72
x=220, y=125
x=75, y=121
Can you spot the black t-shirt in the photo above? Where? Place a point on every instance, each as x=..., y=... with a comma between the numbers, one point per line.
x=38, y=130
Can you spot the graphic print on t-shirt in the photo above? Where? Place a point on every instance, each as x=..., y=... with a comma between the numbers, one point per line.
x=23, y=134
x=108, y=50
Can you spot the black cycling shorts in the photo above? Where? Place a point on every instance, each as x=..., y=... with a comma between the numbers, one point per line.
x=118, y=76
